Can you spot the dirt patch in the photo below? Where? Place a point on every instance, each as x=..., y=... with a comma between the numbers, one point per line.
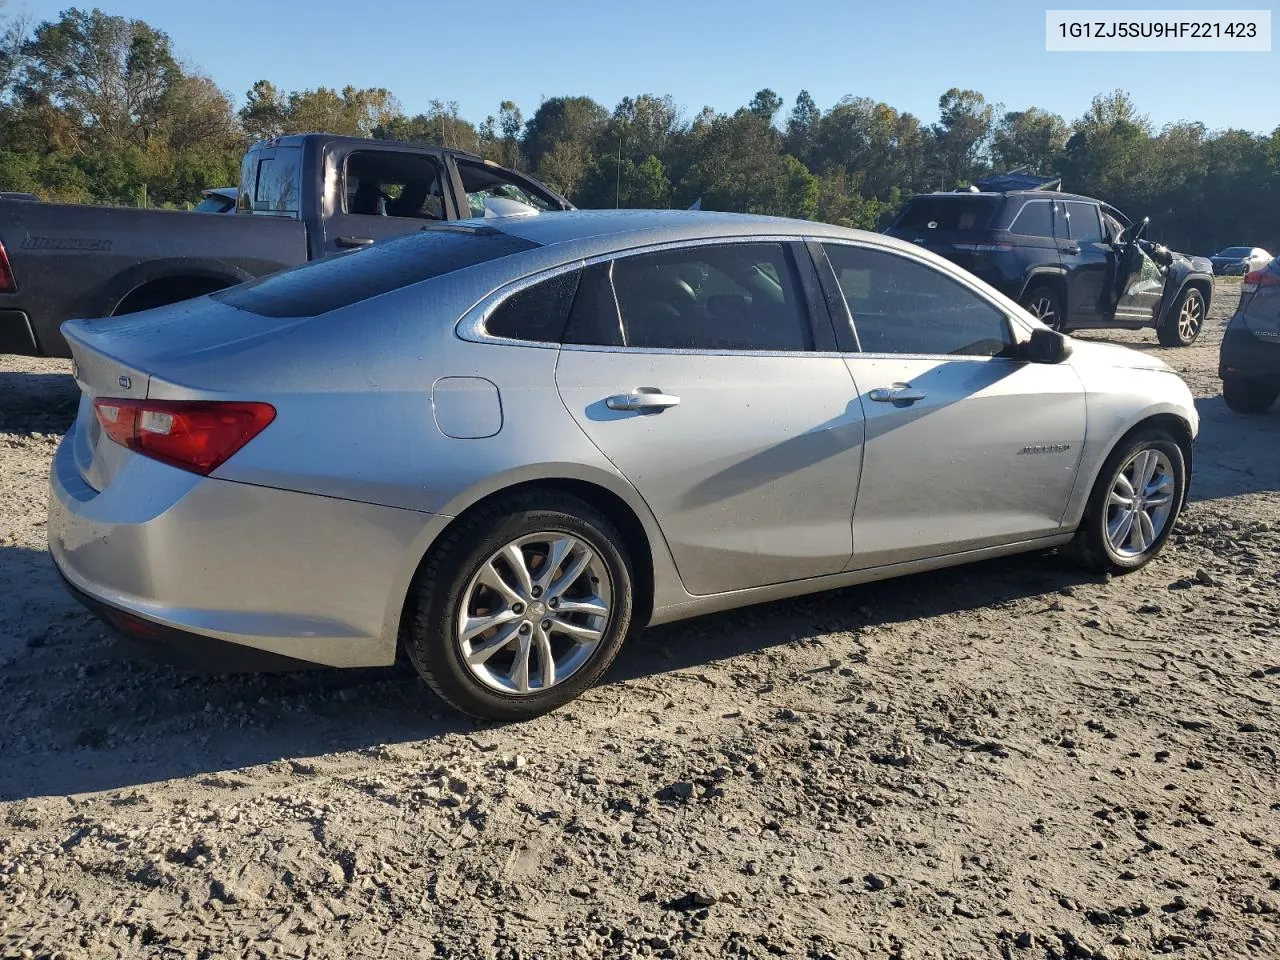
x=1006, y=760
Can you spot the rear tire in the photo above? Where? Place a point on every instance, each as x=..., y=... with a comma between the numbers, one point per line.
x=1118, y=538
x=482, y=674
x=1249, y=396
x=1044, y=303
x=1182, y=326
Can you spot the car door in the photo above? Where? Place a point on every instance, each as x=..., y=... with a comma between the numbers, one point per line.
x=966, y=446
x=693, y=370
x=382, y=194
x=1139, y=284
x=479, y=182
x=1086, y=257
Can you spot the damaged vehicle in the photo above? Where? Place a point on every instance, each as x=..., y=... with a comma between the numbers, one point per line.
x=1073, y=261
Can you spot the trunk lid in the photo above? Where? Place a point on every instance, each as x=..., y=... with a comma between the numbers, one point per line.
x=126, y=356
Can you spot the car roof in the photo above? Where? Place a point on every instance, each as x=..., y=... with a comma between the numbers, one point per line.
x=604, y=230
x=1016, y=194
x=298, y=139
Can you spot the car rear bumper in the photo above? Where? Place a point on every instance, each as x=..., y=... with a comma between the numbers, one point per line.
x=1247, y=357
x=200, y=564
x=16, y=334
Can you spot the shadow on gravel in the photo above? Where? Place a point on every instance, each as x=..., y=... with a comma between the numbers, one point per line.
x=725, y=635
x=1235, y=453
x=37, y=402
x=79, y=712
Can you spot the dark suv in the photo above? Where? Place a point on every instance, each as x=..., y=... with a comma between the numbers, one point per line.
x=1073, y=261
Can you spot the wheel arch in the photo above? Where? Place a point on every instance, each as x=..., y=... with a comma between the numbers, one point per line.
x=1196, y=281
x=650, y=557
x=197, y=271
x=1055, y=277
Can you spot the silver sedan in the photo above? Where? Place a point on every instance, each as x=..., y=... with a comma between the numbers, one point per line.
x=503, y=446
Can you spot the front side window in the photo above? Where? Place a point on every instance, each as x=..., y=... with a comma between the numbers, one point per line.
x=902, y=306
x=1082, y=220
x=737, y=296
x=481, y=183
x=393, y=184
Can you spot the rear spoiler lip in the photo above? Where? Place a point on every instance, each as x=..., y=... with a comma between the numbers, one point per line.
x=97, y=371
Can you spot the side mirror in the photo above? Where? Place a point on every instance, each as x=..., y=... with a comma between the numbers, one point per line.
x=1047, y=346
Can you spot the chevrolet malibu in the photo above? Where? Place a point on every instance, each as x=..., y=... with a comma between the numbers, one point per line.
x=502, y=447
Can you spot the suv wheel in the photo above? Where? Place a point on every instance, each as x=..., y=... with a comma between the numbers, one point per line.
x=1183, y=324
x=1045, y=305
x=1248, y=396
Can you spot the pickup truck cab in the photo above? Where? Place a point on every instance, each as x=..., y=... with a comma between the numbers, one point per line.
x=300, y=198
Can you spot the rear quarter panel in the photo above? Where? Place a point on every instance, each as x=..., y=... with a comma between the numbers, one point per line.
x=81, y=261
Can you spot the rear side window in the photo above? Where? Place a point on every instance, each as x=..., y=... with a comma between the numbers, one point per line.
x=950, y=213
x=271, y=181
x=1035, y=219
x=739, y=296
x=538, y=312
x=1082, y=218
x=323, y=285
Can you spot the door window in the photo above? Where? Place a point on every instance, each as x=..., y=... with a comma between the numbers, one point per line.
x=538, y=312
x=393, y=184
x=902, y=306
x=739, y=296
x=481, y=183
x=1083, y=223
x=1035, y=219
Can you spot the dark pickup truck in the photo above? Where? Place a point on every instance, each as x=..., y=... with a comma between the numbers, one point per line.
x=300, y=198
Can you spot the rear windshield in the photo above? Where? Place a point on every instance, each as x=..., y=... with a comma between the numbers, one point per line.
x=271, y=181
x=950, y=213
x=324, y=285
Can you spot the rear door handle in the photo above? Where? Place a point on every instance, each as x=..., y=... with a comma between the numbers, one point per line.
x=644, y=399
x=898, y=393
x=354, y=241
x=1071, y=249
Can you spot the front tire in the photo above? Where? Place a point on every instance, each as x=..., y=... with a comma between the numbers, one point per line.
x=521, y=607
x=1248, y=396
x=1044, y=303
x=1134, y=504
x=1183, y=325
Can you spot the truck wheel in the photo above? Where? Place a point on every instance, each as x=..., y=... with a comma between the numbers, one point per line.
x=1183, y=324
x=521, y=607
x=1248, y=396
x=1043, y=302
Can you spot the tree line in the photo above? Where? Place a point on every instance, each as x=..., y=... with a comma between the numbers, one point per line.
x=97, y=108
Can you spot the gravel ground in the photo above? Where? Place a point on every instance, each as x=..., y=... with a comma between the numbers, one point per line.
x=1006, y=760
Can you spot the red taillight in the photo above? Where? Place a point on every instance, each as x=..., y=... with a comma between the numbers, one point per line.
x=7, y=283
x=1259, y=278
x=195, y=435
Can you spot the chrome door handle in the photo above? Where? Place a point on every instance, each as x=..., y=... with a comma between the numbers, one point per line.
x=646, y=399
x=354, y=241
x=898, y=393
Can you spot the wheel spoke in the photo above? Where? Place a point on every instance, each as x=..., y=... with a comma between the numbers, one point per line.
x=490, y=578
x=519, y=675
x=1146, y=529
x=1120, y=531
x=1144, y=474
x=474, y=626
x=1124, y=487
x=1160, y=500
x=589, y=605
x=572, y=572
x=576, y=631
x=515, y=559
x=556, y=554
x=1119, y=500
x=546, y=659
x=479, y=655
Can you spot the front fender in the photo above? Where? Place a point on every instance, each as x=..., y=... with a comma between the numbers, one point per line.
x=1180, y=275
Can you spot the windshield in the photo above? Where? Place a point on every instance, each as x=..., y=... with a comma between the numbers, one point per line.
x=950, y=213
x=215, y=204
x=1236, y=252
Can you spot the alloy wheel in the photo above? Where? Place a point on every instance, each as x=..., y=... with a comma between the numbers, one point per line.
x=534, y=613
x=1190, y=317
x=1140, y=503
x=1042, y=308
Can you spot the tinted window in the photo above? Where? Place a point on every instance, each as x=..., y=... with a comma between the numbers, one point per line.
x=393, y=184
x=1083, y=221
x=324, y=285
x=537, y=312
x=1240, y=252
x=1034, y=220
x=956, y=212
x=901, y=305
x=741, y=296
x=271, y=181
